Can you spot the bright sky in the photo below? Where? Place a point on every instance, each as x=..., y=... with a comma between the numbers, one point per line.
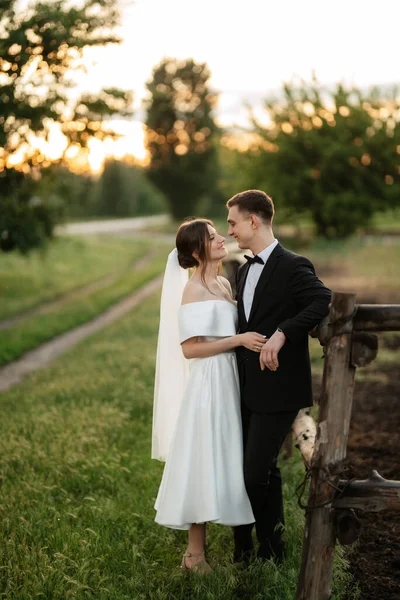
x=250, y=46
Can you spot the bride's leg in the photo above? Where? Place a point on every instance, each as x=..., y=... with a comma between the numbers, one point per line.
x=196, y=538
x=194, y=558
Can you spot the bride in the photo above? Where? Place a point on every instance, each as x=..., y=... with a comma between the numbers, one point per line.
x=196, y=421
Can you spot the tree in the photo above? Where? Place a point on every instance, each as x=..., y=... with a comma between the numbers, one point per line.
x=113, y=194
x=331, y=154
x=73, y=192
x=123, y=190
x=180, y=134
x=39, y=49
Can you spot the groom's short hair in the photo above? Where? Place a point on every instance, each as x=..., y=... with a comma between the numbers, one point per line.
x=254, y=202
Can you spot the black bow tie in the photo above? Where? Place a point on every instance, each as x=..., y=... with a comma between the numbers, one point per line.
x=254, y=259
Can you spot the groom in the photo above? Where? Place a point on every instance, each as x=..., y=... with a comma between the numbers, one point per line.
x=280, y=296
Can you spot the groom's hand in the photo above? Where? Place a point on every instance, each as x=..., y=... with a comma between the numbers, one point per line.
x=269, y=352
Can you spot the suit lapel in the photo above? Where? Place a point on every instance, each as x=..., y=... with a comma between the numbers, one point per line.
x=242, y=279
x=239, y=292
x=265, y=278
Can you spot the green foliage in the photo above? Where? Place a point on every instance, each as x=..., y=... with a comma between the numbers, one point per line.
x=235, y=173
x=27, y=220
x=331, y=154
x=39, y=49
x=123, y=190
x=180, y=134
x=75, y=192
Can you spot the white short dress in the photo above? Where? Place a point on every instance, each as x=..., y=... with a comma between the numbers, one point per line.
x=203, y=475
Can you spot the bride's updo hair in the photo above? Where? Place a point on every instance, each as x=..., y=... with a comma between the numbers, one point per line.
x=193, y=236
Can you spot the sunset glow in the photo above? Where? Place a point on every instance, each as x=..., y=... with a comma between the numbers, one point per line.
x=129, y=144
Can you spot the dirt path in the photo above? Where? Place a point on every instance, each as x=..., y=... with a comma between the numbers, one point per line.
x=43, y=355
x=111, y=225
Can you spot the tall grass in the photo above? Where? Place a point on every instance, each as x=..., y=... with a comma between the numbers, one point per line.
x=38, y=329
x=67, y=263
x=78, y=488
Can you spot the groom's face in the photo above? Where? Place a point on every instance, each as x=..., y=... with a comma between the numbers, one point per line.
x=240, y=227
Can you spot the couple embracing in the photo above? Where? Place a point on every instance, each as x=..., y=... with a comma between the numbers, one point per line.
x=224, y=401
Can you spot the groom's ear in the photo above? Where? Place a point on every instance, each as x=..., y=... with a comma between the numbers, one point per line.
x=254, y=221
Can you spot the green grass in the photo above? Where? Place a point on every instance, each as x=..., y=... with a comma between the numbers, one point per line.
x=66, y=264
x=365, y=265
x=381, y=223
x=38, y=329
x=78, y=487
x=388, y=221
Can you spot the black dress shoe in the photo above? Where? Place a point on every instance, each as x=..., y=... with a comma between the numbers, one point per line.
x=244, y=547
x=243, y=555
x=276, y=552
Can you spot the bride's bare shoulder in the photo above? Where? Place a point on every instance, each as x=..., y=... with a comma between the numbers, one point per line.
x=193, y=292
x=225, y=283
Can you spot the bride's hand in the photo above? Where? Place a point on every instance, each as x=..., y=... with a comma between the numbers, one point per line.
x=252, y=340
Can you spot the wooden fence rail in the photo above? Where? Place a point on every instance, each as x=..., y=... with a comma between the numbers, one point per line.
x=377, y=317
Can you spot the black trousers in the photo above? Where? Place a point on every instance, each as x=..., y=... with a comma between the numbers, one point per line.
x=263, y=436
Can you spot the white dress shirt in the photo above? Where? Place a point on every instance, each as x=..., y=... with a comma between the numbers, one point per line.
x=253, y=276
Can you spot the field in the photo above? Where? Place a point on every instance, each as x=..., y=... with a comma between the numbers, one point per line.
x=66, y=264
x=77, y=483
x=124, y=277
x=78, y=487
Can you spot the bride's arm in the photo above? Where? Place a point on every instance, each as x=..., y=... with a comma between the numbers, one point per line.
x=251, y=340
x=192, y=348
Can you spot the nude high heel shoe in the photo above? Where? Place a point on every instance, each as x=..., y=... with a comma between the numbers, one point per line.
x=201, y=567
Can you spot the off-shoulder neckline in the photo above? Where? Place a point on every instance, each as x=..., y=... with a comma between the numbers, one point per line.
x=204, y=302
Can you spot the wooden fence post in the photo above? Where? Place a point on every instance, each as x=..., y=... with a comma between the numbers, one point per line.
x=330, y=450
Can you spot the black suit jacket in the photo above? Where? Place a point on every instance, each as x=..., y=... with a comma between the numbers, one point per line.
x=288, y=295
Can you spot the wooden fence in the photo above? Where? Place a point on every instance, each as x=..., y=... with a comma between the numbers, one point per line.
x=348, y=344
